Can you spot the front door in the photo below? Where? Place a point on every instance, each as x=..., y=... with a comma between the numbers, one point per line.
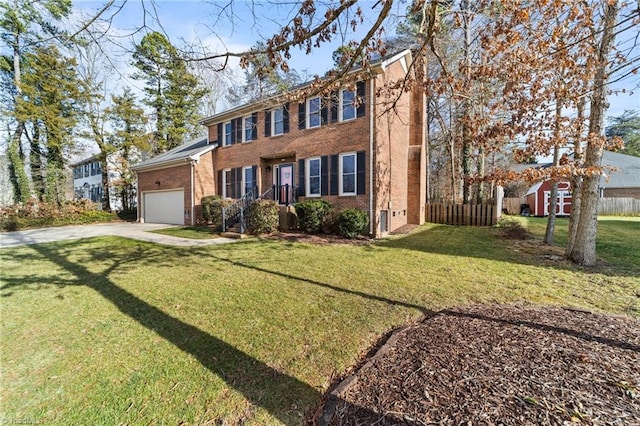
x=284, y=184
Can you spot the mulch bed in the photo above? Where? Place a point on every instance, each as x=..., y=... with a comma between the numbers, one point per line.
x=498, y=365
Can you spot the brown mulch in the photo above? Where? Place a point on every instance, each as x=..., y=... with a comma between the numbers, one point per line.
x=318, y=239
x=498, y=365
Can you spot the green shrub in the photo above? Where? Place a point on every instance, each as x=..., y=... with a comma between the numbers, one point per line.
x=128, y=215
x=352, y=222
x=207, y=203
x=214, y=213
x=264, y=217
x=36, y=214
x=511, y=229
x=312, y=215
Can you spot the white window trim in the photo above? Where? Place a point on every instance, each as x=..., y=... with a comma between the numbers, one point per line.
x=341, y=106
x=224, y=183
x=244, y=128
x=341, y=175
x=307, y=178
x=308, y=117
x=226, y=142
x=244, y=182
x=273, y=121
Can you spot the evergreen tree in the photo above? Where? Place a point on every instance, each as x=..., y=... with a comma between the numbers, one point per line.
x=261, y=79
x=128, y=121
x=172, y=91
x=24, y=24
x=48, y=105
x=627, y=127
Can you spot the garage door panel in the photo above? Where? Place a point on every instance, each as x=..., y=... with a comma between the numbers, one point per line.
x=164, y=207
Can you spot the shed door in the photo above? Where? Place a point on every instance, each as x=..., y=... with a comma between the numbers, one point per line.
x=164, y=207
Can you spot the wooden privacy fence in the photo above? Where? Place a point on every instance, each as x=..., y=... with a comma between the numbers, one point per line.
x=463, y=214
x=512, y=204
x=619, y=207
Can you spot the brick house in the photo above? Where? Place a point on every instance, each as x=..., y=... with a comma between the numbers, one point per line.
x=349, y=148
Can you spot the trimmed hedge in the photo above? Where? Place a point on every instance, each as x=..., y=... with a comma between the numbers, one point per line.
x=312, y=215
x=213, y=207
x=37, y=214
x=352, y=222
x=264, y=217
x=207, y=214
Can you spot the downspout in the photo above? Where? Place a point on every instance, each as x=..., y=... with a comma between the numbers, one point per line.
x=139, y=197
x=371, y=152
x=193, y=192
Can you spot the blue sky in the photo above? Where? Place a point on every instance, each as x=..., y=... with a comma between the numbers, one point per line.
x=236, y=25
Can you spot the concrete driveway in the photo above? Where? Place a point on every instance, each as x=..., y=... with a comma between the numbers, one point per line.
x=136, y=231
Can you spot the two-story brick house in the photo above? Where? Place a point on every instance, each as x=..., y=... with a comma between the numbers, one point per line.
x=353, y=148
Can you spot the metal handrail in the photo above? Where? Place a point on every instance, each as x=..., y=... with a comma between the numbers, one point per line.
x=236, y=212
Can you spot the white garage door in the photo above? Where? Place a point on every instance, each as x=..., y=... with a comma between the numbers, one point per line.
x=164, y=207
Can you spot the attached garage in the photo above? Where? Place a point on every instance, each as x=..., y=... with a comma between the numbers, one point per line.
x=164, y=207
x=171, y=185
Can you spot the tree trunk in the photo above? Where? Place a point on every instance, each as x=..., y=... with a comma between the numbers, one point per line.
x=553, y=199
x=106, y=191
x=583, y=251
x=17, y=174
x=576, y=181
x=35, y=162
x=466, y=110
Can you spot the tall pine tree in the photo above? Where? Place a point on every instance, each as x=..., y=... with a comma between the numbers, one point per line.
x=172, y=91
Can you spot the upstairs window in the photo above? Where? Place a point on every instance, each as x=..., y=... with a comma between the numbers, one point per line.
x=347, y=105
x=314, y=107
x=228, y=133
x=248, y=127
x=277, y=121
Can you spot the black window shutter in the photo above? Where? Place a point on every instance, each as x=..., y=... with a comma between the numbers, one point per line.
x=220, y=183
x=285, y=118
x=334, y=106
x=360, y=91
x=231, y=185
x=301, y=183
x=324, y=175
x=238, y=182
x=361, y=166
x=333, y=189
x=238, y=130
x=254, y=131
x=254, y=172
x=219, y=134
x=233, y=131
x=302, y=115
x=267, y=123
x=324, y=111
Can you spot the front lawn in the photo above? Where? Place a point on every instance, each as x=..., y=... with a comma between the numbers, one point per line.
x=114, y=331
x=192, y=232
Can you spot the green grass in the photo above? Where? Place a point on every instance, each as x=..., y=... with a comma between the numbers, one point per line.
x=192, y=232
x=114, y=331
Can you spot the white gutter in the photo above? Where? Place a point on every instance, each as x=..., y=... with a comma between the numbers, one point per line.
x=371, y=140
x=193, y=193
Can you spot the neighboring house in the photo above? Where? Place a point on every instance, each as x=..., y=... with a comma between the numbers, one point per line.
x=624, y=180
x=87, y=181
x=538, y=199
x=621, y=180
x=352, y=149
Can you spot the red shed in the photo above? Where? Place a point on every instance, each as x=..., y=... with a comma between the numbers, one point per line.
x=539, y=194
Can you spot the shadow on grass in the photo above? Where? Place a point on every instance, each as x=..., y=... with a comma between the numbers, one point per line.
x=428, y=313
x=486, y=243
x=239, y=370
